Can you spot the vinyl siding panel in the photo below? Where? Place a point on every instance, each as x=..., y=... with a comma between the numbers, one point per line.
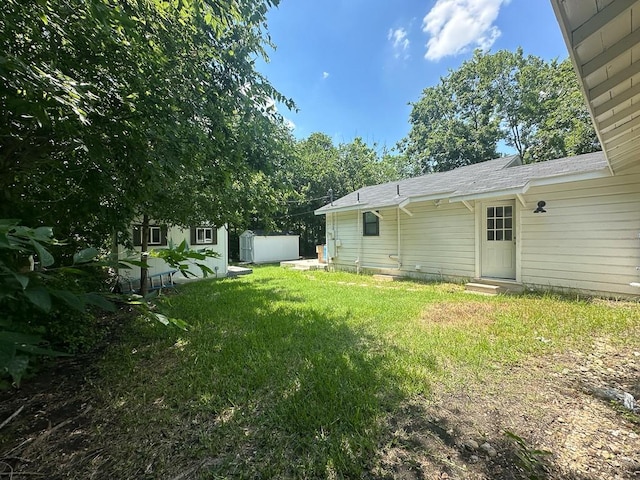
x=588, y=239
x=438, y=239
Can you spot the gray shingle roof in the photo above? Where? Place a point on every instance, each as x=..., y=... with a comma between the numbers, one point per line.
x=498, y=176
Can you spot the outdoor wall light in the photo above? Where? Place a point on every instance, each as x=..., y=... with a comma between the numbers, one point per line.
x=540, y=209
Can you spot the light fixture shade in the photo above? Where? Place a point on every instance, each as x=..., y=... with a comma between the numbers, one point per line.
x=540, y=209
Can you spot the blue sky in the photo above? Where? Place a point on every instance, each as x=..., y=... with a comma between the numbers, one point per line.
x=353, y=66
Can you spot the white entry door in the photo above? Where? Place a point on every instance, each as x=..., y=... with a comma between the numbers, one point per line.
x=499, y=240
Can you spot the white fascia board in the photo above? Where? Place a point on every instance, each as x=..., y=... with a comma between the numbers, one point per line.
x=351, y=208
x=566, y=178
x=510, y=192
x=425, y=198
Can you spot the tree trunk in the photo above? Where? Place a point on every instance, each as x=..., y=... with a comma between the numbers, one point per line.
x=144, y=255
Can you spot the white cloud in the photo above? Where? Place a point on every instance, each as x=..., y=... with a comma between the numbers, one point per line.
x=325, y=75
x=456, y=26
x=289, y=124
x=400, y=42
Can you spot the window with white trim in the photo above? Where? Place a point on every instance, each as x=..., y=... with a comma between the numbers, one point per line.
x=204, y=236
x=155, y=236
x=370, y=224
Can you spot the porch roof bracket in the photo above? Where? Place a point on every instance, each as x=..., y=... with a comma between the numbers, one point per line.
x=521, y=199
x=377, y=214
x=468, y=205
x=405, y=210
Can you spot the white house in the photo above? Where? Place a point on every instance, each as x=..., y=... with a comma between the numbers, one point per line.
x=161, y=236
x=481, y=220
x=562, y=224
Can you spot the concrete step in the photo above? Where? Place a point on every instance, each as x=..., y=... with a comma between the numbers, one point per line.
x=385, y=278
x=493, y=287
x=483, y=288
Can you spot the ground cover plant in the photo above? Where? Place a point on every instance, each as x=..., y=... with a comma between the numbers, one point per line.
x=287, y=374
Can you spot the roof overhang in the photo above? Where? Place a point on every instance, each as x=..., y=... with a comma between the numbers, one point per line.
x=362, y=206
x=603, y=38
x=533, y=182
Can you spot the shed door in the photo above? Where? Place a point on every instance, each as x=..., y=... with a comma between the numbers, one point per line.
x=246, y=248
x=499, y=240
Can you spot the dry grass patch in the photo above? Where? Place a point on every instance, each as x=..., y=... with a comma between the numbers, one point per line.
x=472, y=313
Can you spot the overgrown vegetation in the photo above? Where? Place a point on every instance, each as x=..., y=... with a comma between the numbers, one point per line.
x=293, y=375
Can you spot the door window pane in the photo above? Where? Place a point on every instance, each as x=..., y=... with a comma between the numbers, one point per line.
x=500, y=223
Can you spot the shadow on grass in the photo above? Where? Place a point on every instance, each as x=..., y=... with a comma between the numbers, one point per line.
x=276, y=388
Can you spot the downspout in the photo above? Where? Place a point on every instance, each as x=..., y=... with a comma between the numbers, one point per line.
x=144, y=256
x=359, y=233
x=399, y=242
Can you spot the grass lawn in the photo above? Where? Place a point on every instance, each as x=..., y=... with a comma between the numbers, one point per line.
x=287, y=374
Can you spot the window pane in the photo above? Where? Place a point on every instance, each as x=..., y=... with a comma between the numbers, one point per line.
x=371, y=224
x=507, y=222
x=508, y=212
x=154, y=235
x=200, y=235
x=208, y=234
x=490, y=212
x=498, y=211
x=490, y=223
x=507, y=235
x=498, y=234
x=498, y=223
x=490, y=235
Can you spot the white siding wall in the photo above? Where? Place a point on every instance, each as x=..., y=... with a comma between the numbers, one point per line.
x=176, y=235
x=438, y=239
x=588, y=239
x=275, y=248
x=373, y=252
x=441, y=240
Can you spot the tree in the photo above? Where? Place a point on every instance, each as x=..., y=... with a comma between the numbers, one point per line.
x=116, y=111
x=530, y=105
x=132, y=110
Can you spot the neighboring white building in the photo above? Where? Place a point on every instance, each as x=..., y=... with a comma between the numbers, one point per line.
x=480, y=221
x=258, y=247
x=161, y=236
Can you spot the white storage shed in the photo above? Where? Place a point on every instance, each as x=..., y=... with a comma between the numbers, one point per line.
x=261, y=247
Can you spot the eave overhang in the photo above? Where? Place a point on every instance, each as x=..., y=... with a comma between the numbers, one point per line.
x=603, y=39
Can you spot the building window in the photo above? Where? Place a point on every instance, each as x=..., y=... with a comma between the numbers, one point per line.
x=204, y=236
x=157, y=235
x=371, y=224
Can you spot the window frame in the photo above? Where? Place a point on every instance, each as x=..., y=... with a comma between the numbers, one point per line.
x=162, y=235
x=212, y=240
x=366, y=224
x=150, y=240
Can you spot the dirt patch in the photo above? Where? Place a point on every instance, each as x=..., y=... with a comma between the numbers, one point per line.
x=469, y=313
x=539, y=421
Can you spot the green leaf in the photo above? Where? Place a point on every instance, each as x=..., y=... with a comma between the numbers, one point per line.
x=70, y=298
x=86, y=255
x=46, y=259
x=161, y=318
x=17, y=367
x=43, y=233
x=7, y=352
x=40, y=297
x=98, y=300
x=22, y=279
